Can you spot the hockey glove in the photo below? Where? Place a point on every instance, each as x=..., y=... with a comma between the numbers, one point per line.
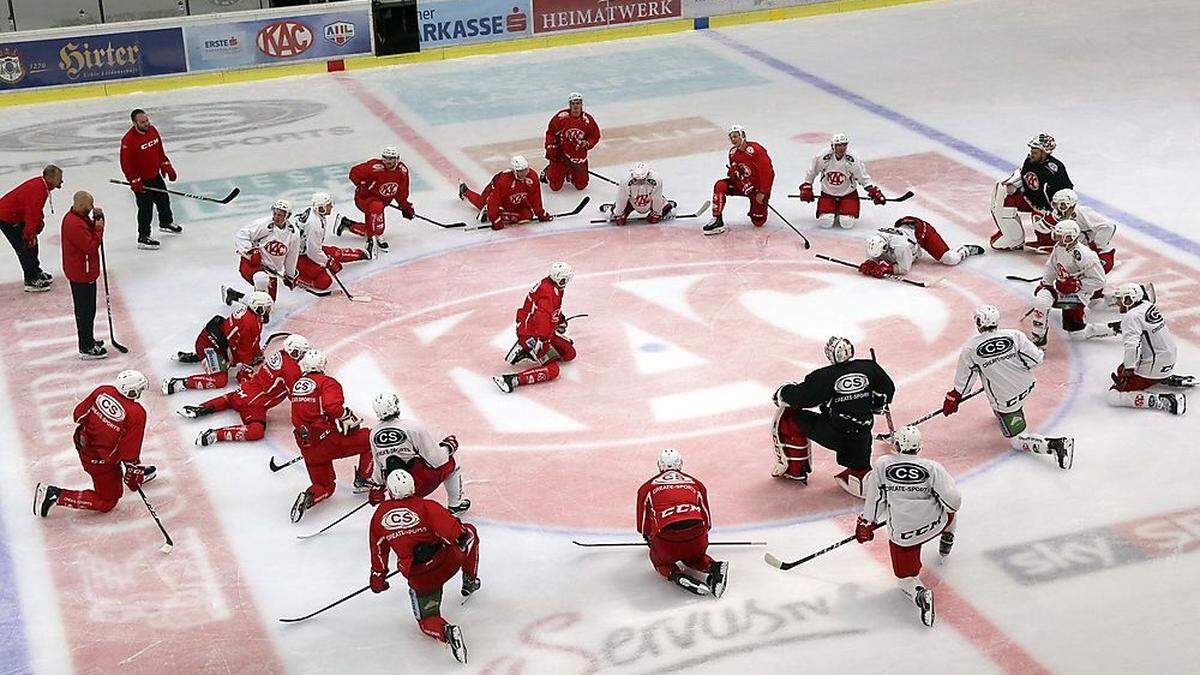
x=653, y=218
x=348, y=422
x=1067, y=286
x=466, y=540
x=408, y=211
x=136, y=185
x=333, y=265
x=450, y=443
x=135, y=476
x=545, y=217
x=621, y=219
x=169, y=171
x=806, y=193
x=778, y=397
x=375, y=496
x=879, y=402
x=950, y=405
x=1121, y=378
x=864, y=531
x=379, y=582
x=876, y=195
x=875, y=268
x=551, y=152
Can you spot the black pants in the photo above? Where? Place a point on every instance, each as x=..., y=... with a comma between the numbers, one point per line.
x=853, y=449
x=147, y=201
x=30, y=266
x=84, y=297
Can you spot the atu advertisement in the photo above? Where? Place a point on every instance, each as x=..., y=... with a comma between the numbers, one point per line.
x=91, y=58
x=456, y=22
x=555, y=15
x=330, y=35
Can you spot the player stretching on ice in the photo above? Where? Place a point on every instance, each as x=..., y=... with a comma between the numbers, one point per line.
x=377, y=183
x=269, y=248
x=1004, y=360
x=223, y=344
x=541, y=332
x=318, y=261
x=841, y=173
x=1073, y=276
x=750, y=174
x=1149, y=356
x=894, y=250
x=674, y=519
x=1097, y=230
x=642, y=192
x=1029, y=190
x=431, y=546
x=569, y=136
x=918, y=499
x=406, y=444
x=513, y=196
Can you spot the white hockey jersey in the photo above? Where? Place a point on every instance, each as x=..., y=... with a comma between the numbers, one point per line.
x=1004, y=360
x=278, y=246
x=839, y=177
x=1149, y=347
x=644, y=195
x=312, y=227
x=1078, y=261
x=902, y=249
x=914, y=495
x=1097, y=230
x=406, y=439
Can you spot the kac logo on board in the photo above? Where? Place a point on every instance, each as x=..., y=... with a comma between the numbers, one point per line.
x=284, y=39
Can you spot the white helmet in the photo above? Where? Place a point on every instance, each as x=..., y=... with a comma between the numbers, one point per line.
x=1066, y=232
x=574, y=96
x=987, y=317
x=320, y=199
x=313, y=361
x=639, y=171
x=518, y=163
x=387, y=406
x=400, y=484
x=839, y=350
x=561, y=273
x=282, y=205
x=390, y=152
x=296, y=345
x=1064, y=202
x=259, y=302
x=876, y=245
x=907, y=440
x=839, y=139
x=670, y=458
x=131, y=383
x=737, y=129
x=1043, y=142
x=1129, y=294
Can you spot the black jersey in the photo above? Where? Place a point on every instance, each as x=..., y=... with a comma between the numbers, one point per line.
x=848, y=393
x=1039, y=181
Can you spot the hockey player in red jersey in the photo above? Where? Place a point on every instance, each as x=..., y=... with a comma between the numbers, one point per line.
x=541, y=332
x=266, y=388
x=110, y=425
x=223, y=344
x=569, y=136
x=513, y=196
x=674, y=519
x=431, y=546
x=377, y=183
x=325, y=430
x=750, y=174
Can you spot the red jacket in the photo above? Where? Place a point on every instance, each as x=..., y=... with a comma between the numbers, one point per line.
x=542, y=311
x=511, y=196
x=243, y=331
x=81, y=238
x=111, y=427
x=142, y=154
x=671, y=497
x=371, y=179
x=751, y=168
x=24, y=204
x=317, y=403
x=568, y=139
x=420, y=532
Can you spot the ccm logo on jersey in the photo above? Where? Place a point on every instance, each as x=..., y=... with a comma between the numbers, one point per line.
x=303, y=387
x=390, y=438
x=851, y=383
x=110, y=408
x=906, y=474
x=399, y=519
x=994, y=346
x=680, y=509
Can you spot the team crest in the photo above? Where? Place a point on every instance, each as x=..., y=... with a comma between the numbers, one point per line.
x=12, y=70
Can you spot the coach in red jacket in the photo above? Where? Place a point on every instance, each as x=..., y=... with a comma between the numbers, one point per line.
x=22, y=220
x=82, y=232
x=144, y=163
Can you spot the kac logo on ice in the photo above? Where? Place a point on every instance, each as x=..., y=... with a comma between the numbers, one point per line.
x=438, y=25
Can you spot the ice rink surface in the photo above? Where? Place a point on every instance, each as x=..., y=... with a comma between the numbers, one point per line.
x=1092, y=570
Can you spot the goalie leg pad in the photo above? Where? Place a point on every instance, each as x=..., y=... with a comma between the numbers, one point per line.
x=1010, y=233
x=792, y=447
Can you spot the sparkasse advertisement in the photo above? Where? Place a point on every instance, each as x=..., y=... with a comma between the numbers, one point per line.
x=453, y=22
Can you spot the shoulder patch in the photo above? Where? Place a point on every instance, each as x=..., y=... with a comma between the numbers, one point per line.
x=826, y=156
x=1075, y=253
x=1052, y=166
x=849, y=158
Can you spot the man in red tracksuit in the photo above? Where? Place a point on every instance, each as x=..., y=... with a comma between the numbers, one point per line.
x=22, y=220
x=325, y=430
x=431, y=546
x=223, y=344
x=569, y=136
x=144, y=163
x=82, y=233
x=110, y=426
x=377, y=183
x=514, y=195
x=674, y=519
x=541, y=332
x=750, y=174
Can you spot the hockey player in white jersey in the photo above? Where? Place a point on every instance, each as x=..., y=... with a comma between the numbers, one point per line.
x=894, y=250
x=269, y=248
x=318, y=262
x=917, y=498
x=841, y=173
x=1097, y=230
x=1072, y=276
x=641, y=191
x=1149, y=358
x=1003, y=359
x=406, y=444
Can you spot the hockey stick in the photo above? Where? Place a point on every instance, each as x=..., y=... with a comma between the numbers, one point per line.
x=887, y=408
x=779, y=564
x=904, y=197
x=606, y=179
x=335, y=603
x=279, y=467
x=926, y=418
x=166, y=548
x=430, y=220
x=108, y=303
x=573, y=212
x=1028, y=280
x=807, y=245
x=642, y=543
x=699, y=212
x=228, y=198
x=891, y=277
x=573, y=317
x=327, y=527
x=362, y=297
x=275, y=336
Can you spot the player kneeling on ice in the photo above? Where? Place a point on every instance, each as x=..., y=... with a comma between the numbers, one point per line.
x=1073, y=275
x=377, y=183
x=841, y=173
x=541, y=332
x=1097, y=230
x=1149, y=356
x=641, y=192
x=269, y=248
x=513, y=196
x=570, y=134
x=673, y=518
x=325, y=430
x=848, y=393
x=406, y=444
x=431, y=546
x=225, y=343
x=266, y=388
x=318, y=261
x=1004, y=360
x=749, y=174
x=918, y=499
x=110, y=424
x=1029, y=190
x=894, y=250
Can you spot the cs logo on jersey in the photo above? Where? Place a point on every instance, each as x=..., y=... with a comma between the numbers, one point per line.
x=835, y=177
x=851, y=383
x=275, y=361
x=906, y=474
x=994, y=346
x=672, y=478
x=1153, y=315
x=276, y=248
x=303, y=387
x=388, y=437
x=110, y=408
x=400, y=519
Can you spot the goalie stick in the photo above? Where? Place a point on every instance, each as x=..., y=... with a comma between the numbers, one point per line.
x=781, y=565
x=224, y=200
x=892, y=277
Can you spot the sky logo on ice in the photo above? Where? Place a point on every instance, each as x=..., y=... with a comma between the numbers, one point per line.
x=462, y=22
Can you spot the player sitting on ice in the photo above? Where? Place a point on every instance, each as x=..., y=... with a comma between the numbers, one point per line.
x=673, y=518
x=1004, y=360
x=841, y=173
x=377, y=183
x=1097, y=230
x=325, y=430
x=894, y=250
x=641, y=192
x=541, y=332
x=1073, y=275
x=406, y=444
x=318, y=261
x=848, y=394
x=569, y=136
x=749, y=174
x=110, y=424
x=269, y=248
x=513, y=196
x=223, y=344
x=431, y=546
x=918, y=499
x=1149, y=356
x=266, y=388
x=1028, y=190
